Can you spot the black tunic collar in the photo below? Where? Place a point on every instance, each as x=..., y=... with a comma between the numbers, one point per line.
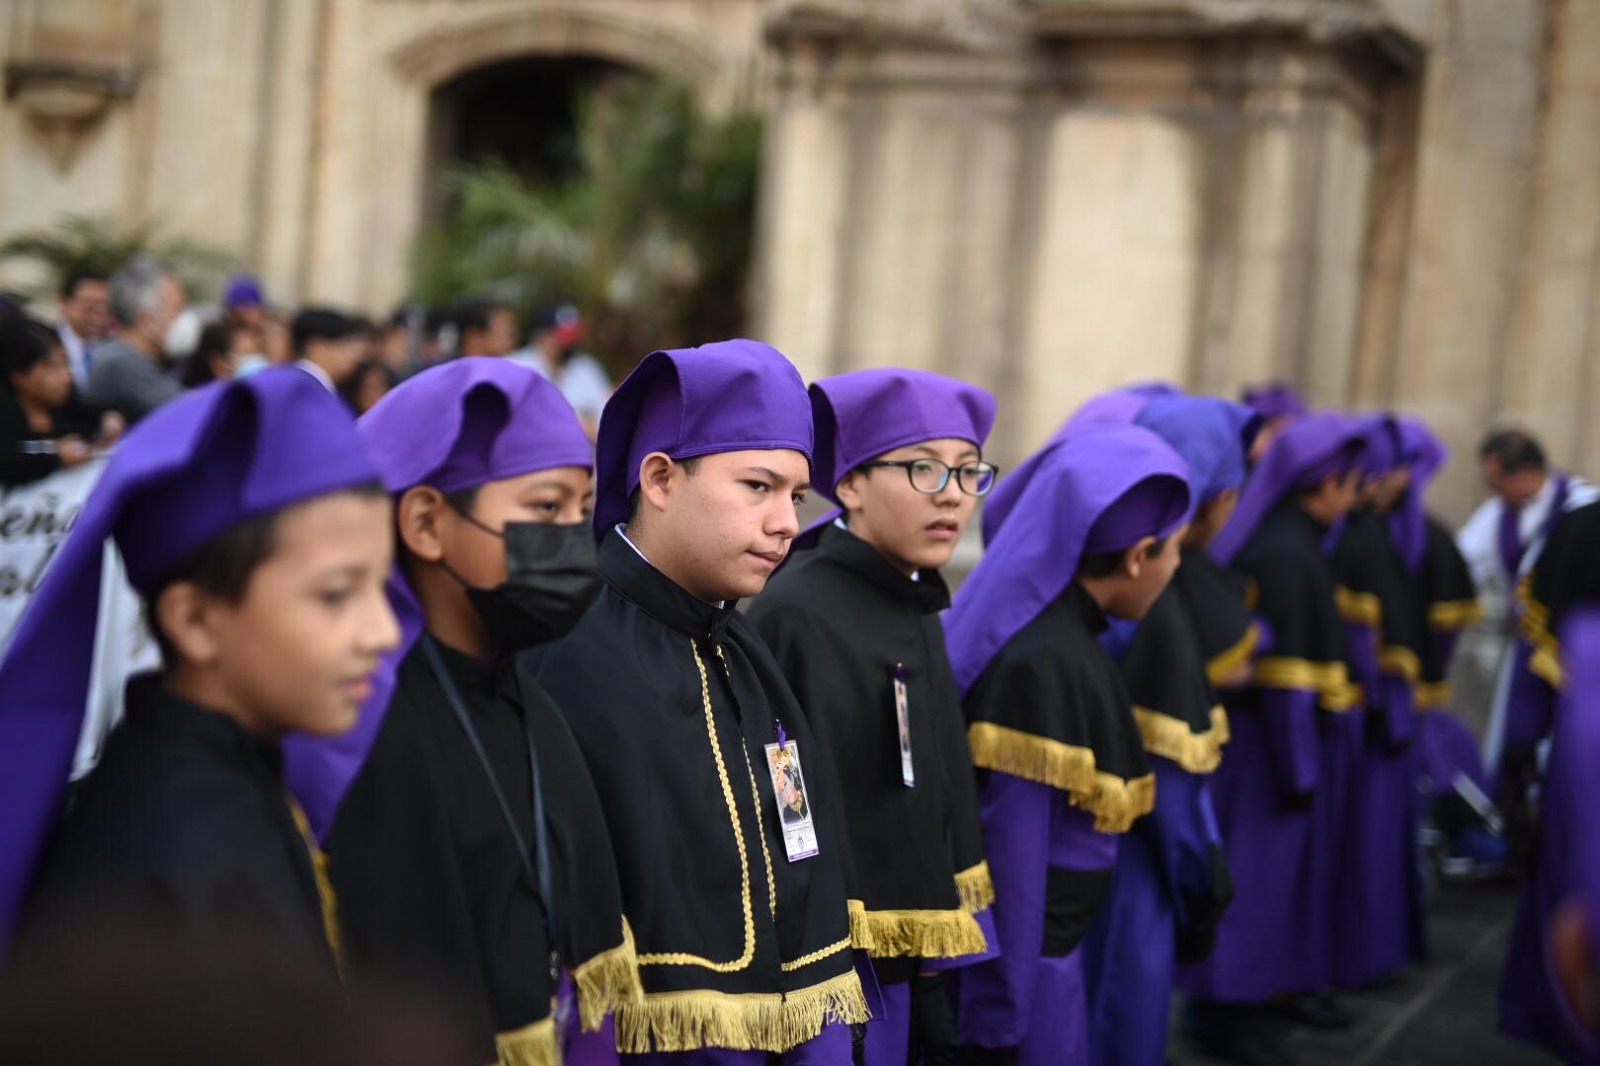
x=475, y=675
x=658, y=596
x=927, y=594
x=152, y=705
x=1086, y=607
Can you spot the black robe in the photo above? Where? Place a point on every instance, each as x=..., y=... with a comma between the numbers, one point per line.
x=1174, y=703
x=672, y=702
x=1565, y=577
x=1451, y=600
x=183, y=833
x=427, y=871
x=1215, y=598
x=840, y=620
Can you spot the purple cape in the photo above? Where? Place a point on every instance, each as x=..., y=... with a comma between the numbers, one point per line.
x=1099, y=489
x=729, y=396
x=1309, y=449
x=189, y=472
x=1426, y=454
x=1212, y=435
x=1275, y=400
x=454, y=426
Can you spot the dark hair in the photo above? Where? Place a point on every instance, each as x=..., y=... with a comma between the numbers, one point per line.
x=478, y=315
x=691, y=466
x=1104, y=564
x=321, y=324
x=1515, y=450
x=216, y=341
x=222, y=566
x=74, y=278
x=350, y=391
x=24, y=343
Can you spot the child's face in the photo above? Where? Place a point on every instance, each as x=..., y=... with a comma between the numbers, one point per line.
x=561, y=496
x=725, y=528
x=914, y=530
x=1140, y=588
x=298, y=652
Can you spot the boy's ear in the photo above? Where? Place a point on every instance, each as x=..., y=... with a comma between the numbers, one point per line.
x=849, y=490
x=417, y=517
x=655, y=479
x=1135, y=557
x=185, y=615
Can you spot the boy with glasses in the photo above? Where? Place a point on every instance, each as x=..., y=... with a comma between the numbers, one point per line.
x=855, y=626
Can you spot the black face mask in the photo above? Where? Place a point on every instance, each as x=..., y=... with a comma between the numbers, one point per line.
x=551, y=579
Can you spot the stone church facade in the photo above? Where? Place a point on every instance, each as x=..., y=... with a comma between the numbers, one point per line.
x=1385, y=202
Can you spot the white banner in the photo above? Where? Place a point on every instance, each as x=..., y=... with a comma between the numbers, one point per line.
x=34, y=519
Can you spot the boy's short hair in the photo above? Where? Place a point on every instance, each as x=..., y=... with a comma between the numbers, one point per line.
x=1515, y=450
x=691, y=466
x=1104, y=564
x=320, y=323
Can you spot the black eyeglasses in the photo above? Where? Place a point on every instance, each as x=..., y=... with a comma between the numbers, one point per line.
x=930, y=476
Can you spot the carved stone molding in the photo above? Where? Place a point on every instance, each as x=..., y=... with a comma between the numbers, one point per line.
x=64, y=102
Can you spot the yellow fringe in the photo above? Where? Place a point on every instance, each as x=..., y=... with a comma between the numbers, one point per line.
x=532, y=1045
x=1402, y=662
x=923, y=934
x=1432, y=694
x=607, y=980
x=328, y=901
x=1172, y=738
x=752, y=1021
x=1454, y=614
x=1331, y=681
x=1546, y=663
x=1115, y=803
x=976, y=888
x=1362, y=608
x=1223, y=666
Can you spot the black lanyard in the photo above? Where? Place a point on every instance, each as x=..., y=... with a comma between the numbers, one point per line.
x=541, y=879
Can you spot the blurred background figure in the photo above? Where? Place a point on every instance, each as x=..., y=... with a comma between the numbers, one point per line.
x=130, y=373
x=43, y=428
x=84, y=320
x=553, y=351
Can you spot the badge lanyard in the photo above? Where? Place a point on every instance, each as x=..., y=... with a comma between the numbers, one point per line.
x=541, y=878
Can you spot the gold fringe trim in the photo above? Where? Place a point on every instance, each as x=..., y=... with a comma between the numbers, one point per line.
x=1114, y=802
x=607, y=980
x=1223, y=666
x=752, y=1021
x=1433, y=694
x=1546, y=663
x=924, y=934
x=1454, y=614
x=1402, y=662
x=532, y=1045
x=976, y=888
x=326, y=899
x=1331, y=681
x=1171, y=738
x=1362, y=608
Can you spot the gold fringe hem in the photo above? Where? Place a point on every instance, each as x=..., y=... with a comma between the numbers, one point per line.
x=532, y=1045
x=1331, y=681
x=924, y=934
x=1432, y=695
x=607, y=981
x=976, y=888
x=1221, y=667
x=1172, y=738
x=1545, y=662
x=752, y=1021
x=1454, y=614
x=1114, y=802
x=1362, y=608
x=1401, y=662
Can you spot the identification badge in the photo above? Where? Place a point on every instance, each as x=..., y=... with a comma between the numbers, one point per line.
x=794, y=807
x=902, y=717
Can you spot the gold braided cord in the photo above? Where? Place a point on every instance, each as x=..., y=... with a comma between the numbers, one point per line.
x=761, y=825
x=1172, y=738
x=923, y=934
x=606, y=980
x=976, y=888
x=1252, y=593
x=1113, y=801
x=816, y=956
x=1223, y=666
x=1362, y=608
x=751, y=1021
x=1545, y=662
x=1402, y=662
x=683, y=958
x=1454, y=614
x=532, y=1045
x=327, y=901
x=1432, y=694
x=1331, y=681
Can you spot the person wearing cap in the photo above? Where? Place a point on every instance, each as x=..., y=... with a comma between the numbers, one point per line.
x=1273, y=941
x=1171, y=885
x=553, y=351
x=470, y=850
x=244, y=303
x=722, y=813
x=1373, y=870
x=1094, y=532
x=1548, y=990
x=1278, y=404
x=251, y=521
x=854, y=624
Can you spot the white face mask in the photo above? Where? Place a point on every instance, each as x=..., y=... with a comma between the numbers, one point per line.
x=249, y=363
x=183, y=336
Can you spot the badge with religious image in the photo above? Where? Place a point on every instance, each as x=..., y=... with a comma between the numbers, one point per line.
x=794, y=807
x=902, y=716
